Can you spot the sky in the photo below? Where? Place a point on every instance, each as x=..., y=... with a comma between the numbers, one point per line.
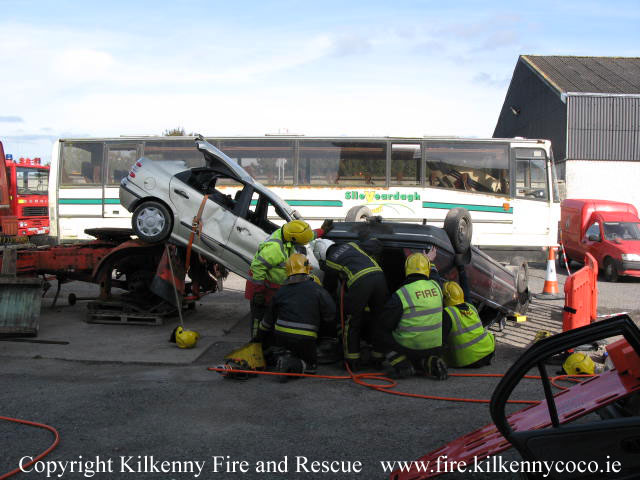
x=355, y=68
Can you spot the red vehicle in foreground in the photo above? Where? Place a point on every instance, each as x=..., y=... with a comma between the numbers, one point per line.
x=28, y=184
x=610, y=231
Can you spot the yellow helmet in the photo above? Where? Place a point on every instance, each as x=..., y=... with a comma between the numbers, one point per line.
x=297, y=263
x=453, y=294
x=297, y=231
x=417, y=263
x=579, y=364
x=186, y=338
x=316, y=279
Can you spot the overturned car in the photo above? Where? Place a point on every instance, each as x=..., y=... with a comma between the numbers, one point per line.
x=233, y=214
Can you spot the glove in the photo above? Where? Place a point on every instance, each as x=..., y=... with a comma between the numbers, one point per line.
x=326, y=226
x=258, y=299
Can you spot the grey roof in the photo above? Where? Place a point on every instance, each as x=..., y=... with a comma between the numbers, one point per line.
x=603, y=75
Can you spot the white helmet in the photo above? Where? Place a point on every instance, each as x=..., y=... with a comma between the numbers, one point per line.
x=320, y=248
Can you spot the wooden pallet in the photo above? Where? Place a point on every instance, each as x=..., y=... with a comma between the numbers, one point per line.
x=125, y=313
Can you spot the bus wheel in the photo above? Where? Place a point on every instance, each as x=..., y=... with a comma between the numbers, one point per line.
x=459, y=228
x=359, y=213
x=151, y=222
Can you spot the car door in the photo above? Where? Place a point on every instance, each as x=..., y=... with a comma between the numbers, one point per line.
x=187, y=191
x=253, y=226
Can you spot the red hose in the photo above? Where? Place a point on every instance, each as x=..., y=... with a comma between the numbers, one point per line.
x=43, y=454
x=386, y=387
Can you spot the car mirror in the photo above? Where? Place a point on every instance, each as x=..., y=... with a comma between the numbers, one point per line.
x=594, y=238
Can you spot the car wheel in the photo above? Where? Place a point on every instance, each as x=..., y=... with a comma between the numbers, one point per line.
x=359, y=213
x=520, y=268
x=459, y=228
x=610, y=270
x=152, y=222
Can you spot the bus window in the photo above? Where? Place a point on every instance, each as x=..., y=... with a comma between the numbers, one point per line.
x=480, y=168
x=184, y=150
x=531, y=177
x=342, y=163
x=405, y=164
x=120, y=159
x=270, y=162
x=81, y=163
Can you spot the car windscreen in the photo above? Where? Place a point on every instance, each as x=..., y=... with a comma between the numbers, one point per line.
x=622, y=230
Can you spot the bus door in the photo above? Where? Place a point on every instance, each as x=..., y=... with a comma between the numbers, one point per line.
x=120, y=158
x=532, y=212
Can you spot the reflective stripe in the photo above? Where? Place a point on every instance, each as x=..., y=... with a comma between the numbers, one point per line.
x=307, y=326
x=256, y=282
x=296, y=332
x=458, y=320
x=421, y=328
x=279, y=242
x=262, y=260
x=352, y=356
x=471, y=342
x=420, y=313
x=397, y=360
x=362, y=273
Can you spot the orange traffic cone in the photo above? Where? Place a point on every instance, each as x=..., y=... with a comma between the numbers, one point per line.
x=550, y=290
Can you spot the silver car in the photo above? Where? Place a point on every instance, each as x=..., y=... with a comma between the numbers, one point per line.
x=165, y=197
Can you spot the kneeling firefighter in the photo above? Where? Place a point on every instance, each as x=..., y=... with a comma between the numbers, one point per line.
x=296, y=313
x=469, y=345
x=366, y=285
x=412, y=328
x=267, y=269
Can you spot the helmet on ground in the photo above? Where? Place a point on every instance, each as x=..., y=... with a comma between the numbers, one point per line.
x=316, y=279
x=185, y=338
x=297, y=231
x=417, y=263
x=453, y=294
x=320, y=247
x=579, y=364
x=297, y=263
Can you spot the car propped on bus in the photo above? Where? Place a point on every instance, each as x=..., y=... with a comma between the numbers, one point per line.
x=508, y=185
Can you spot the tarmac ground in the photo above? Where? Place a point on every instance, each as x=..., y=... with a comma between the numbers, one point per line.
x=123, y=393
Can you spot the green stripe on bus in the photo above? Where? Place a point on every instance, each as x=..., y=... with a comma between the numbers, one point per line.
x=80, y=201
x=89, y=201
x=310, y=203
x=471, y=208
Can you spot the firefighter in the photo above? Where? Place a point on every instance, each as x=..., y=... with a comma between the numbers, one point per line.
x=412, y=329
x=365, y=286
x=469, y=345
x=267, y=269
x=296, y=313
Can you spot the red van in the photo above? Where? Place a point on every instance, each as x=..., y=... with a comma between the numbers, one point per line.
x=610, y=231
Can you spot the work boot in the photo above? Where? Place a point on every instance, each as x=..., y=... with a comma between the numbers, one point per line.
x=402, y=369
x=309, y=368
x=288, y=364
x=435, y=368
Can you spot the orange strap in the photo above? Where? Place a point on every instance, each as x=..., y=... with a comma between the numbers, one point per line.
x=196, y=227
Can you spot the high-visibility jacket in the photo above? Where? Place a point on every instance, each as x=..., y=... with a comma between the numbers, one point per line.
x=299, y=308
x=352, y=261
x=268, y=265
x=420, y=327
x=468, y=341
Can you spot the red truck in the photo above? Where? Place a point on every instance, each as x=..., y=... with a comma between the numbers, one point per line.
x=610, y=231
x=24, y=197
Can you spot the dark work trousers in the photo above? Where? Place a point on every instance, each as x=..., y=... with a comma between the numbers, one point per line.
x=303, y=348
x=370, y=290
x=257, y=314
x=389, y=345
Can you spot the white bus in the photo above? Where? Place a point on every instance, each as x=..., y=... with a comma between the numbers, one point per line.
x=508, y=185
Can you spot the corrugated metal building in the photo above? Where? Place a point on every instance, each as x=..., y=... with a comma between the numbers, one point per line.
x=589, y=107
